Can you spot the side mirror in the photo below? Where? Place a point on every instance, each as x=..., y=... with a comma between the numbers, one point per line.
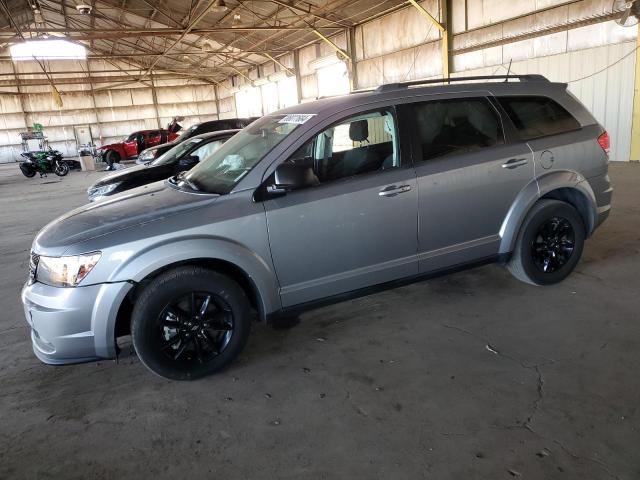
x=292, y=176
x=188, y=162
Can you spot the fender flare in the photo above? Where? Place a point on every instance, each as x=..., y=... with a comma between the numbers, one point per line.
x=545, y=185
x=160, y=255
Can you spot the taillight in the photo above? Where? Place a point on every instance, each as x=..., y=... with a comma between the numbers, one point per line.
x=604, y=142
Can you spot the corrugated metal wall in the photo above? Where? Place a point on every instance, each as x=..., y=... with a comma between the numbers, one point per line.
x=564, y=56
x=111, y=113
x=396, y=47
x=606, y=92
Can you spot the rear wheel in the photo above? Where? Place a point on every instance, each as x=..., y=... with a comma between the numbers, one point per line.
x=111, y=157
x=190, y=322
x=27, y=170
x=549, y=244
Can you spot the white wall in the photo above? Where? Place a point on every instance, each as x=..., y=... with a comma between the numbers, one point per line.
x=396, y=47
x=606, y=92
x=564, y=56
x=111, y=113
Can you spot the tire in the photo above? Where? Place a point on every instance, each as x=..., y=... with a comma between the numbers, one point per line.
x=111, y=157
x=549, y=244
x=173, y=343
x=61, y=169
x=28, y=172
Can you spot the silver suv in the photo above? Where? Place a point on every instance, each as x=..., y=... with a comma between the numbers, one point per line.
x=317, y=203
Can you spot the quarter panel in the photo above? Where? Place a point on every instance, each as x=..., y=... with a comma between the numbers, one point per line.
x=575, y=151
x=545, y=184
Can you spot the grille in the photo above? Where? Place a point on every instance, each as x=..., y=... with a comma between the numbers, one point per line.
x=33, y=266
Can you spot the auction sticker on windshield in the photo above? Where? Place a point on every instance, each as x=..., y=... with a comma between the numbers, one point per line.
x=298, y=118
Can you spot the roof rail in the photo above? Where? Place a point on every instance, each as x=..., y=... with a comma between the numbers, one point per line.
x=523, y=78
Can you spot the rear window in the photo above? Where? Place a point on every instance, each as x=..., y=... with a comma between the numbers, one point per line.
x=447, y=127
x=538, y=116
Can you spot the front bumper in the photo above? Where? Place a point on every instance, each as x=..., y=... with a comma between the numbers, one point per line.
x=73, y=325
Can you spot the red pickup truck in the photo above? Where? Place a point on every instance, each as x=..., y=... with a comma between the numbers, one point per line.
x=132, y=145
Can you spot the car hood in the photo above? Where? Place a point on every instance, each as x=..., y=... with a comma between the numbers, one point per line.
x=122, y=174
x=142, y=205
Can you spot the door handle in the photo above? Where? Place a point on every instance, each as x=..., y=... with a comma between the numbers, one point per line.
x=393, y=190
x=515, y=163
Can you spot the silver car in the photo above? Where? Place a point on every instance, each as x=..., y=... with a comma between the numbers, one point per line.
x=317, y=203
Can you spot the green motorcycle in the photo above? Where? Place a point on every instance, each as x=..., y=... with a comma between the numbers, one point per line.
x=49, y=161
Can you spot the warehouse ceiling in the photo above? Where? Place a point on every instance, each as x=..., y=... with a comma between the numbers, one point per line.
x=209, y=37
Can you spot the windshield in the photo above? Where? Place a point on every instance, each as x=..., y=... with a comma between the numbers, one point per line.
x=221, y=172
x=186, y=133
x=176, y=152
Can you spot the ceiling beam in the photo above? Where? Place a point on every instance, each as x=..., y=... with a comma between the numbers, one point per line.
x=29, y=82
x=87, y=34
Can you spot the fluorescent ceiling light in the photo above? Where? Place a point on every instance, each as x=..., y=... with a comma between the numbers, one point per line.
x=47, y=50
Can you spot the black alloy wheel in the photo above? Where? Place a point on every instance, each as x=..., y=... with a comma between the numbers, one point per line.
x=195, y=327
x=189, y=322
x=553, y=244
x=549, y=244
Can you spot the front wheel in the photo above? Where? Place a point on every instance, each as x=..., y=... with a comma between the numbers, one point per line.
x=190, y=322
x=111, y=157
x=549, y=244
x=61, y=169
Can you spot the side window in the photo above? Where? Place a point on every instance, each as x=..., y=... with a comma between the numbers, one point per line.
x=447, y=127
x=537, y=116
x=151, y=137
x=362, y=144
x=204, y=151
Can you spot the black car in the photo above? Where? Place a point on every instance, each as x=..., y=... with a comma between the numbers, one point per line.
x=197, y=129
x=178, y=159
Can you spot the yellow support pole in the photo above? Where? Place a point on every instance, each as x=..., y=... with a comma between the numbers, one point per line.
x=635, y=124
x=341, y=52
x=443, y=31
x=241, y=74
x=427, y=15
x=279, y=63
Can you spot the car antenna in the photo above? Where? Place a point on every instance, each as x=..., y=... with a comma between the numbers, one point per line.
x=508, y=70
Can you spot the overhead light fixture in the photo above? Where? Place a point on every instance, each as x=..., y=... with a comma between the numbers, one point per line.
x=219, y=6
x=47, y=50
x=84, y=9
x=37, y=16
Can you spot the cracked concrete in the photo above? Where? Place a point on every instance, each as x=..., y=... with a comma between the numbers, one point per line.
x=474, y=375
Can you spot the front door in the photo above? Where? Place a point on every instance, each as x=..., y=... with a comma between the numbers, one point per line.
x=131, y=145
x=357, y=227
x=83, y=134
x=468, y=177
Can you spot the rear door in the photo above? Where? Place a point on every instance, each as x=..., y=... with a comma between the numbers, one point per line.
x=358, y=226
x=151, y=139
x=469, y=173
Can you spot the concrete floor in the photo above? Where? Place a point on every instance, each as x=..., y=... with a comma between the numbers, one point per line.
x=474, y=375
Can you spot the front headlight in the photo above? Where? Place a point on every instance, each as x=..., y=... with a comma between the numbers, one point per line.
x=65, y=271
x=102, y=190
